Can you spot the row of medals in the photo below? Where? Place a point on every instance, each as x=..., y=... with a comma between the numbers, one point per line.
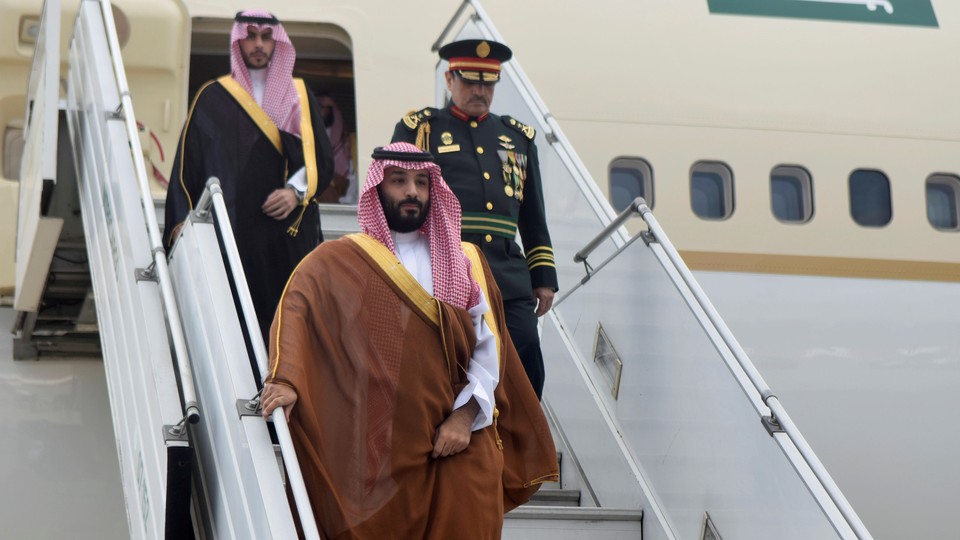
x=514, y=165
x=514, y=172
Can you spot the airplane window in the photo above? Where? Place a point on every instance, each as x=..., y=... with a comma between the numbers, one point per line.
x=711, y=190
x=791, y=194
x=630, y=178
x=870, y=203
x=943, y=201
x=29, y=29
x=12, y=152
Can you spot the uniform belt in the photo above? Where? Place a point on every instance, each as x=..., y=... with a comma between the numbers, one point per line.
x=488, y=224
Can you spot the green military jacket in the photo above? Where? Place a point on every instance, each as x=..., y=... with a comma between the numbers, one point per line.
x=491, y=164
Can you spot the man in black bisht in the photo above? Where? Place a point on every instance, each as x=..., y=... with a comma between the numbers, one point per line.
x=490, y=162
x=261, y=132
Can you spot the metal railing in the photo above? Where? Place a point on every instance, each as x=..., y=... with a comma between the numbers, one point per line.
x=212, y=199
x=191, y=410
x=779, y=417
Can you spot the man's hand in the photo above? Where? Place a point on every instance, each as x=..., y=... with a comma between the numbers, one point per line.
x=280, y=203
x=277, y=395
x=453, y=435
x=176, y=232
x=544, y=296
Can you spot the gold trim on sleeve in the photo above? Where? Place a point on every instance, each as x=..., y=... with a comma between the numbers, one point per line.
x=542, y=257
x=183, y=141
x=309, y=154
x=540, y=248
x=309, y=144
x=542, y=263
x=279, y=315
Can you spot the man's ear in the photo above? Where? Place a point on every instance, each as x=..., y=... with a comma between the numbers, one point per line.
x=449, y=77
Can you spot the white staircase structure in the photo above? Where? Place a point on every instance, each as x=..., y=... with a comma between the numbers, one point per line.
x=96, y=161
x=665, y=428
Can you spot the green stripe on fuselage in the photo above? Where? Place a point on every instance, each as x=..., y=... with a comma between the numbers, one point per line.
x=902, y=12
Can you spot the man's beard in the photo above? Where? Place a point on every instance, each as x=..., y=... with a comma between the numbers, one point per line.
x=250, y=65
x=398, y=220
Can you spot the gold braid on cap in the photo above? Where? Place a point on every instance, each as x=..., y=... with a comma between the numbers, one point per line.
x=423, y=136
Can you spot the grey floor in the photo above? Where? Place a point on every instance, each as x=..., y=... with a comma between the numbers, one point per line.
x=58, y=459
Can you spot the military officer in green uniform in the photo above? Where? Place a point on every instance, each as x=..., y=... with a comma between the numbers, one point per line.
x=490, y=162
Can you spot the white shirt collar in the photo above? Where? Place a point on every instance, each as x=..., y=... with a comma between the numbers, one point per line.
x=258, y=77
x=413, y=250
x=405, y=237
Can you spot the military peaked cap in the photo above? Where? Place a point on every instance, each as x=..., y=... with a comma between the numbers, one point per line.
x=476, y=60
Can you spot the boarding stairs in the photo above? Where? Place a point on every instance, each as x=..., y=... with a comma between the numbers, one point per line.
x=87, y=242
x=55, y=309
x=665, y=430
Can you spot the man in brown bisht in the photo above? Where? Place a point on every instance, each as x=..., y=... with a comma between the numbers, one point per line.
x=409, y=408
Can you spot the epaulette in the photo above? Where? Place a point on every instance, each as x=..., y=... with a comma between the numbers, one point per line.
x=413, y=118
x=528, y=131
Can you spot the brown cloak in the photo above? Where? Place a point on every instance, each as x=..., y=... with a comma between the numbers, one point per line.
x=377, y=363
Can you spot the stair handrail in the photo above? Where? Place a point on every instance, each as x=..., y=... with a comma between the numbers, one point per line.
x=631, y=210
x=446, y=29
x=213, y=196
x=191, y=409
x=779, y=417
x=612, y=229
x=778, y=413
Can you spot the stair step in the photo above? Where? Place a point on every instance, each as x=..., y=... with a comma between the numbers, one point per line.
x=65, y=346
x=563, y=523
x=556, y=497
x=550, y=485
x=528, y=511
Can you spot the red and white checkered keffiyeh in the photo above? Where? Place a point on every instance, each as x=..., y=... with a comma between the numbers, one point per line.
x=452, y=281
x=280, y=100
